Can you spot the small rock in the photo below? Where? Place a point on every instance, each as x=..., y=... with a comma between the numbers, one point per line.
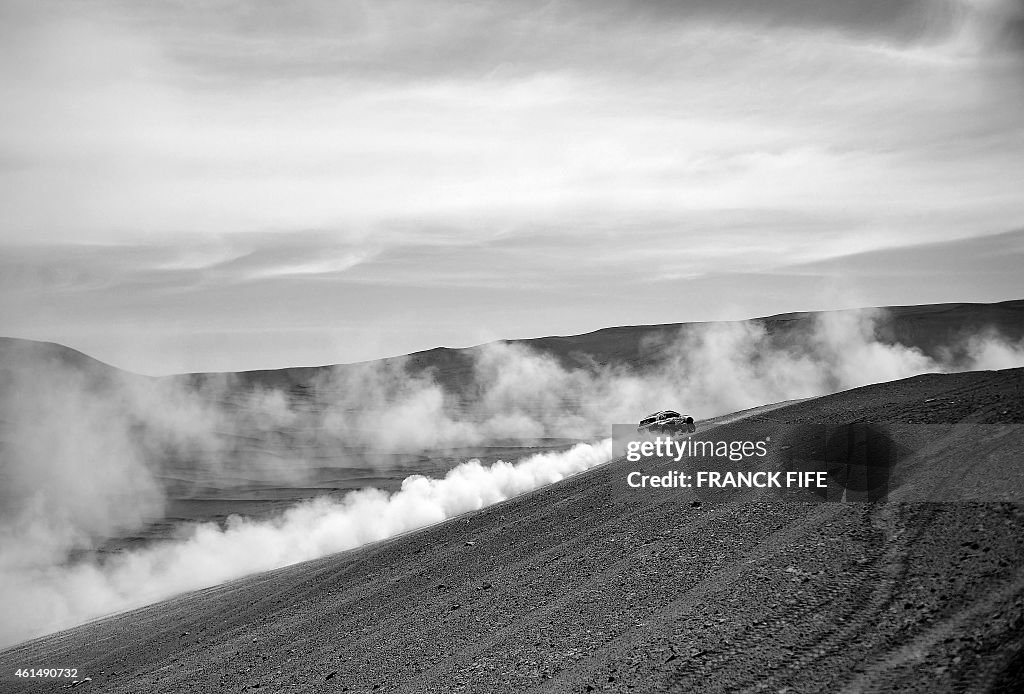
x=695, y=504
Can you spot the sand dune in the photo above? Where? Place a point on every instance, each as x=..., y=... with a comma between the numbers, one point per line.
x=579, y=587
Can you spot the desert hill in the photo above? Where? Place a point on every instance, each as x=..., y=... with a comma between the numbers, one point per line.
x=581, y=586
x=17, y=353
x=933, y=329
x=929, y=328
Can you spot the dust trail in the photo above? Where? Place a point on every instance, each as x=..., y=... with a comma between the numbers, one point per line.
x=48, y=598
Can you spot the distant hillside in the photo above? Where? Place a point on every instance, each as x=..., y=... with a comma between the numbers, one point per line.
x=24, y=355
x=929, y=328
x=13, y=348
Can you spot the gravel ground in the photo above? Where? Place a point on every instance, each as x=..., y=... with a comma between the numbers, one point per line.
x=582, y=587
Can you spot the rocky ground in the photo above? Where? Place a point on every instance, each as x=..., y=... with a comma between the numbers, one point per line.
x=583, y=586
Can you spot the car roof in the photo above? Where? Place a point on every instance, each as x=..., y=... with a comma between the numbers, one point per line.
x=662, y=412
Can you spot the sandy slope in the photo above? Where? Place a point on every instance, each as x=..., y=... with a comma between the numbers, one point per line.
x=581, y=587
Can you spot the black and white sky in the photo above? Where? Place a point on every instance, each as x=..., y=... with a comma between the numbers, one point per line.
x=244, y=184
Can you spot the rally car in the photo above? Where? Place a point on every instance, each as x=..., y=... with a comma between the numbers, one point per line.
x=667, y=422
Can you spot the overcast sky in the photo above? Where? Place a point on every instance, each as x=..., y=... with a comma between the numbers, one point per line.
x=251, y=183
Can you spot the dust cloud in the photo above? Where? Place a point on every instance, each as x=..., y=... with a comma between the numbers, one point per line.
x=89, y=453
